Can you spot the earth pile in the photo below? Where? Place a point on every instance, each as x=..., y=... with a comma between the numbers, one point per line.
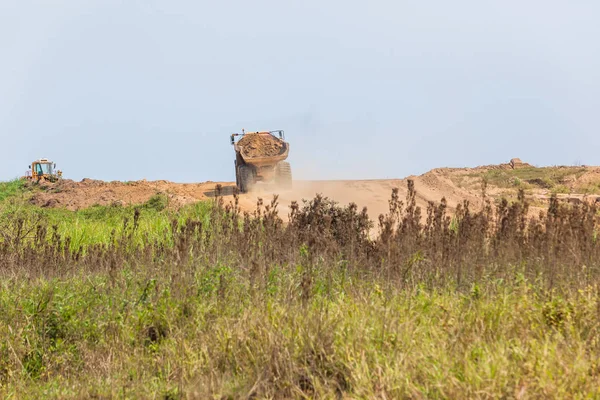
x=260, y=145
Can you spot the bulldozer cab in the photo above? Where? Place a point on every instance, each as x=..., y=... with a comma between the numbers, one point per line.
x=43, y=169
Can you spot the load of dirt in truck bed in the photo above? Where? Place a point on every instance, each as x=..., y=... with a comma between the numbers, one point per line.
x=260, y=145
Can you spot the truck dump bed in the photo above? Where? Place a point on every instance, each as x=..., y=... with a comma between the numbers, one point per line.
x=266, y=160
x=260, y=149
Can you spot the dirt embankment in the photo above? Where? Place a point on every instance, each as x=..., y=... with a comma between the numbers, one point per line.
x=373, y=194
x=89, y=192
x=573, y=184
x=260, y=145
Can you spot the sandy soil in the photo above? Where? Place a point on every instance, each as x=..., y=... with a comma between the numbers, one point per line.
x=373, y=194
x=455, y=185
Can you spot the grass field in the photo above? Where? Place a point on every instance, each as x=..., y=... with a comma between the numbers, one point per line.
x=97, y=224
x=206, y=302
x=550, y=178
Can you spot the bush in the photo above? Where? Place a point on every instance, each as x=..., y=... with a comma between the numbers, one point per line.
x=158, y=202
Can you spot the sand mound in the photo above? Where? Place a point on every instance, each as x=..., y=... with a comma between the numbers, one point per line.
x=260, y=145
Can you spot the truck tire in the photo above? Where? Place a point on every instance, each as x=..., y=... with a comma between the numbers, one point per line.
x=283, y=175
x=246, y=178
x=237, y=176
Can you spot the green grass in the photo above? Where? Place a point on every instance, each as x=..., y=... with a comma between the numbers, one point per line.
x=11, y=189
x=98, y=224
x=531, y=177
x=560, y=189
x=590, y=188
x=149, y=334
x=262, y=312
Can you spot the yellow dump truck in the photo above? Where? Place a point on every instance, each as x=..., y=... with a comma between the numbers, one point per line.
x=260, y=157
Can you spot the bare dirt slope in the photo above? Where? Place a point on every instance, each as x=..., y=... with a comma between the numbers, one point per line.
x=456, y=185
x=373, y=194
x=89, y=192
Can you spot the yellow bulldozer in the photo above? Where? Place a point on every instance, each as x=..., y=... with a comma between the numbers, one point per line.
x=43, y=170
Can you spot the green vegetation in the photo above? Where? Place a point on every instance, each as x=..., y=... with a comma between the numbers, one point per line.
x=158, y=202
x=217, y=334
x=206, y=302
x=11, y=189
x=532, y=177
x=590, y=188
x=99, y=224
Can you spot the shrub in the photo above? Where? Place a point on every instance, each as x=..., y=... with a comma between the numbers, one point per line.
x=158, y=202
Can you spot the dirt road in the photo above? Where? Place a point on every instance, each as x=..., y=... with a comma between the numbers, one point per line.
x=373, y=194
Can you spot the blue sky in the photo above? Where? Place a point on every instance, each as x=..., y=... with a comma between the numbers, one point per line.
x=125, y=90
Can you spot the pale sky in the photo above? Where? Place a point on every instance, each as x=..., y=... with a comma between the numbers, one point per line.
x=131, y=89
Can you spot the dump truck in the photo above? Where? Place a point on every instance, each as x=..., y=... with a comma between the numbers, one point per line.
x=43, y=170
x=260, y=157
